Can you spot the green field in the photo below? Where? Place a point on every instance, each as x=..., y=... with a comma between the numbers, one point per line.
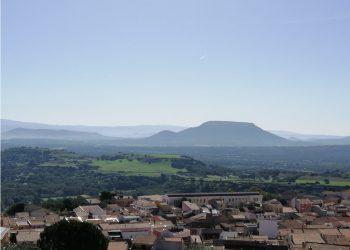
x=220, y=178
x=135, y=167
x=332, y=181
x=165, y=156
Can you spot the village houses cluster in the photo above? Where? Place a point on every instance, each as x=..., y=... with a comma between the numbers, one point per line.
x=234, y=220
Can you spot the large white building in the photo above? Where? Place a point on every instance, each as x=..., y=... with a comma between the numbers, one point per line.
x=229, y=199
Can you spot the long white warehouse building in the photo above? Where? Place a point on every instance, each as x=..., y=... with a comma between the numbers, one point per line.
x=230, y=199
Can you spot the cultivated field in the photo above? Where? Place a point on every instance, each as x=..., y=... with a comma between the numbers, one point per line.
x=135, y=167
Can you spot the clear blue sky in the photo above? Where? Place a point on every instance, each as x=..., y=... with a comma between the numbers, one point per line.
x=280, y=64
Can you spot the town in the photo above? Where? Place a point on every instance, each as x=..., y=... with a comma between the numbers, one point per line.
x=177, y=221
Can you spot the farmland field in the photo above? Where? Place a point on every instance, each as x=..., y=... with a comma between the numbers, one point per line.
x=341, y=182
x=135, y=167
x=165, y=156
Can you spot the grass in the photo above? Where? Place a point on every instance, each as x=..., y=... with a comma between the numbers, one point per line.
x=165, y=156
x=332, y=181
x=135, y=167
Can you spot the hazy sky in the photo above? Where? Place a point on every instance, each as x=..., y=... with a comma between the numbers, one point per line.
x=280, y=64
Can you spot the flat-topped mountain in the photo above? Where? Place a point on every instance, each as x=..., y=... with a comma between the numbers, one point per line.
x=217, y=133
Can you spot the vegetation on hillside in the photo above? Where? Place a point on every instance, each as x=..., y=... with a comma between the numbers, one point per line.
x=36, y=174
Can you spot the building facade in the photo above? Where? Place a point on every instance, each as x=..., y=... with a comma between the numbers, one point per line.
x=229, y=199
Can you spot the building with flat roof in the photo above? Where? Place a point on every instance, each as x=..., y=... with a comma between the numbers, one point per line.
x=231, y=199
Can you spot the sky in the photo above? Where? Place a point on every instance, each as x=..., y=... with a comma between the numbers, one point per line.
x=284, y=65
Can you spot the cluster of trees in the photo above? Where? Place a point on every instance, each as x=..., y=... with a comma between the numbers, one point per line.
x=198, y=168
x=15, y=208
x=64, y=235
x=64, y=204
x=72, y=235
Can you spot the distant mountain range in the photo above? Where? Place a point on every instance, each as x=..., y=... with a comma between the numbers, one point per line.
x=25, y=133
x=139, y=131
x=208, y=134
x=302, y=137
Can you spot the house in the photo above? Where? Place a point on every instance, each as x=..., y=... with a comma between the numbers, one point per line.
x=143, y=241
x=30, y=236
x=184, y=233
x=5, y=235
x=36, y=223
x=115, y=231
x=93, y=201
x=22, y=215
x=129, y=218
x=22, y=224
x=273, y=206
x=117, y=245
x=250, y=228
x=303, y=205
x=345, y=195
x=228, y=235
x=195, y=239
x=169, y=244
x=113, y=209
x=145, y=205
x=320, y=211
x=89, y=212
x=128, y=231
x=122, y=201
x=299, y=239
x=190, y=207
x=208, y=233
x=51, y=219
x=239, y=217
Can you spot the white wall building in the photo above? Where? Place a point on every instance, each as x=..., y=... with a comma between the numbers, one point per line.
x=233, y=199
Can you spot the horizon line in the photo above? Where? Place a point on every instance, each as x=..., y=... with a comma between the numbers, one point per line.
x=182, y=126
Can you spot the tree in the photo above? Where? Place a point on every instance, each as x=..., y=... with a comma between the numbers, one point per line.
x=16, y=208
x=72, y=235
x=106, y=196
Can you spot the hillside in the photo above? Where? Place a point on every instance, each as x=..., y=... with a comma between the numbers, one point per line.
x=218, y=133
x=64, y=173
